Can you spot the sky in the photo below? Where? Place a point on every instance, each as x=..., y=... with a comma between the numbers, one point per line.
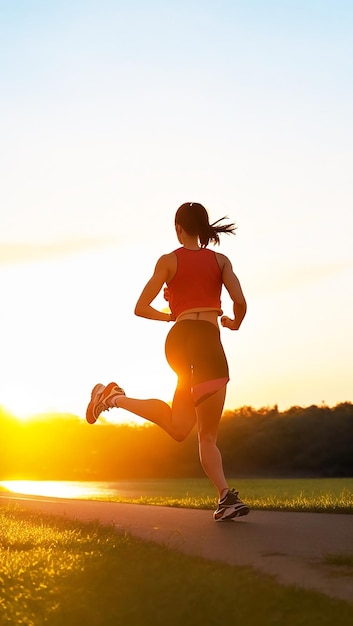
x=112, y=114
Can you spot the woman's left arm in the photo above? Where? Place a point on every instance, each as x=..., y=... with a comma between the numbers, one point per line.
x=232, y=284
x=151, y=290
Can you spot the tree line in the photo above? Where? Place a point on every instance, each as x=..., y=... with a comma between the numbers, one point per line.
x=311, y=441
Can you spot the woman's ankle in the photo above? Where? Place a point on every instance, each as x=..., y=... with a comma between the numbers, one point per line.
x=223, y=493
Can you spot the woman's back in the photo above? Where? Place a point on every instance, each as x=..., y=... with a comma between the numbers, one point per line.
x=197, y=282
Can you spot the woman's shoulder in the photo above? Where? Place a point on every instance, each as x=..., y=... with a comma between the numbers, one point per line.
x=168, y=263
x=167, y=259
x=222, y=260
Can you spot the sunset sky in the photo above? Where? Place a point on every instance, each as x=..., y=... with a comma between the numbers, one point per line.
x=112, y=114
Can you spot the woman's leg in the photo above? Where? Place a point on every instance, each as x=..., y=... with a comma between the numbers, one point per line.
x=209, y=413
x=177, y=420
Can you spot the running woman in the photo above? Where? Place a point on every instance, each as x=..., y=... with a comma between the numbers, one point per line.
x=194, y=276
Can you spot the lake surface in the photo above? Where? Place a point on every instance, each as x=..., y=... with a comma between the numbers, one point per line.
x=65, y=489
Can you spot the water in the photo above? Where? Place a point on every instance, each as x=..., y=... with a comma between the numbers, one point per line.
x=64, y=489
x=127, y=489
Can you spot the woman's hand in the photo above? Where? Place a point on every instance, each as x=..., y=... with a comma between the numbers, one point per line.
x=227, y=322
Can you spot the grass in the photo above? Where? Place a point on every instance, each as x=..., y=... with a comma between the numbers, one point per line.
x=332, y=495
x=57, y=571
x=340, y=560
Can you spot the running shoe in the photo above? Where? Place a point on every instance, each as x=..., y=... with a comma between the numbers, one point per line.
x=101, y=398
x=230, y=506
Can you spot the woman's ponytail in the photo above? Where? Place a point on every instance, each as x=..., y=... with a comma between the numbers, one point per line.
x=193, y=218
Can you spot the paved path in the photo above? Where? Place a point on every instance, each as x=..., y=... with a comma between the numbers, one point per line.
x=289, y=546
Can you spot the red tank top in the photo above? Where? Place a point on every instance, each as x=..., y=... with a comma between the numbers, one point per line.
x=197, y=282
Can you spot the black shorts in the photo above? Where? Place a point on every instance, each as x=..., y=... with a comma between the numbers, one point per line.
x=194, y=351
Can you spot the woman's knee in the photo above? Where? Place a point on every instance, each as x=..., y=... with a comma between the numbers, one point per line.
x=206, y=437
x=183, y=430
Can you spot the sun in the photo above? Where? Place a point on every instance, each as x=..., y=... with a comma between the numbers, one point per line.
x=14, y=410
x=23, y=408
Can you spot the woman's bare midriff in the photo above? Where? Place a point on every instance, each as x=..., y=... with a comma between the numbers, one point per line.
x=206, y=315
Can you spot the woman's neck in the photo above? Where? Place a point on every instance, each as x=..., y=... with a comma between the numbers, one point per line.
x=190, y=242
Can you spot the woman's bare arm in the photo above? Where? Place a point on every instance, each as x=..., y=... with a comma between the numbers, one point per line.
x=235, y=291
x=151, y=290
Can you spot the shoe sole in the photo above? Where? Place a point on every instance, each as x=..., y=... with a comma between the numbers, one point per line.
x=89, y=412
x=238, y=512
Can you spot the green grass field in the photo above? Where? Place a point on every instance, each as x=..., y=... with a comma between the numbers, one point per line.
x=56, y=572
x=331, y=495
